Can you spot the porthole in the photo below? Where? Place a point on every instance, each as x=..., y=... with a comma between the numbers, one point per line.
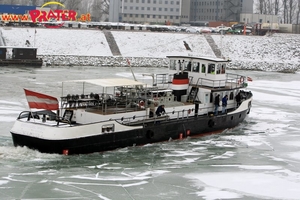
x=211, y=123
x=149, y=134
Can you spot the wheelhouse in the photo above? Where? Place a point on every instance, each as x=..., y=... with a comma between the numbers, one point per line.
x=209, y=72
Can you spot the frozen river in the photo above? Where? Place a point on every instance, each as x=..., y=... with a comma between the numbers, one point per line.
x=259, y=159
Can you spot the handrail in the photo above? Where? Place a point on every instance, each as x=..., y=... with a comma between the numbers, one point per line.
x=183, y=114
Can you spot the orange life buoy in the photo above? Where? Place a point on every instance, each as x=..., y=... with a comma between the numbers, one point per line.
x=141, y=103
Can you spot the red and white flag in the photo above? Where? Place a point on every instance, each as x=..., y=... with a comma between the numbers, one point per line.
x=41, y=101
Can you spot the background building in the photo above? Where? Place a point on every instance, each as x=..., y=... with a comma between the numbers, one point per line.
x=150, y=11
x=219, y=10
x=178, y=11
x=259, y=18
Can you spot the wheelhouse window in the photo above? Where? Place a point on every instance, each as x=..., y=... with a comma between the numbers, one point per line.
x=203, y=68
x=223, y=68
x=219, y=68
x=196, y=66
x=172, y=64
x=231, y=96
x=211, y=68
x=181, y=64
x=211, y=98
x=188, y=67
x=207, y=98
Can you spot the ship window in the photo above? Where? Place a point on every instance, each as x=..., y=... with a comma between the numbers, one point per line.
x=203, y=68
x=196, y=66
x=211, y=68
x=211, y=98
x=180, y=64
x=108, y=128
x=206, y=98
x=218, y=68
x=188, y=67
x=183, y=65
x=172, y=64
x=231, y=96
x=223, y=68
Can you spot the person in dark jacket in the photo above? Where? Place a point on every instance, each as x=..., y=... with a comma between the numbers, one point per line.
x=238, y=99
x=160, y=110
x=217, y=104
x=224, y=103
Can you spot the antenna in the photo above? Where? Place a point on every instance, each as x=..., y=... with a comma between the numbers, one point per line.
x=221, y=40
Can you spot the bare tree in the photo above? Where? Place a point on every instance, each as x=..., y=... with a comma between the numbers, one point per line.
x=73, y=4
x=276, y=7
x=12, y=2
x=105, y=4
x=58, y=6
x=285, y=11
x=261, y=6
x=292, y=9
x=269, y=7
x=96, y=10
x=100, y=10
x=298, y=13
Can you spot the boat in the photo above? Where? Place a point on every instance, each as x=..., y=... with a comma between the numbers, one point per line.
x=107, y=114
x=19, y=56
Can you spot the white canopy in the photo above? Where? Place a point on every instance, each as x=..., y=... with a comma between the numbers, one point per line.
x=111, y=82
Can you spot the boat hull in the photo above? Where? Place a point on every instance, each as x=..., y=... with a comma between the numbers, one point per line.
x=21, y=62
x=148, y=133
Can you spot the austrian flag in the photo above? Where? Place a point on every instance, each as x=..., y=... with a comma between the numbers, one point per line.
x=41, y=101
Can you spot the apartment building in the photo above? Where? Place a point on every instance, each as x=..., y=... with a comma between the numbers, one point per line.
x=150, y=11
x=219, y=10
x=177, y=11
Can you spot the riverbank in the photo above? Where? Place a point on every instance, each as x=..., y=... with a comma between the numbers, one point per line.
x=278, y=52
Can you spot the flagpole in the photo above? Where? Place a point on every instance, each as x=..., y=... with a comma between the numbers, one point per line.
x=131, y=69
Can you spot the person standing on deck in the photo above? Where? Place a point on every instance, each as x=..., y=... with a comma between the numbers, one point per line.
x=217, y=104
x=238, y=99
x=160, y=110
x=224, y=104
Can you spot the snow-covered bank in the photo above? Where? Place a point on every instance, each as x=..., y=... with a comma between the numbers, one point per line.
x=279, y=52
x=117, y=61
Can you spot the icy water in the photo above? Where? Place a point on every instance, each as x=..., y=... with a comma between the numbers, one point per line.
x=259, y=159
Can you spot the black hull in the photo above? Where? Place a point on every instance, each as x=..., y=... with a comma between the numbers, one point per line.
x=152, y=133
x=22, y=62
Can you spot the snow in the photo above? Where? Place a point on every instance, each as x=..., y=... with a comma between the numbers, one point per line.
x=277, y=52
x=233, y=185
